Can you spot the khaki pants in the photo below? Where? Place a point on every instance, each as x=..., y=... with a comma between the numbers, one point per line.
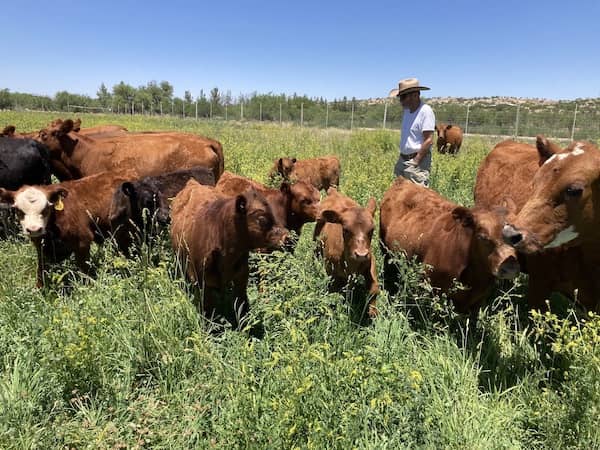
x=417, y=174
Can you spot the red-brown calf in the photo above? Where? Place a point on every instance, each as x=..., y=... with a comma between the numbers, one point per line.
x=212, y=235
x=322, y=172
x=344, y=230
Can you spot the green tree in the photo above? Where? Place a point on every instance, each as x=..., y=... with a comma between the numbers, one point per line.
x=104, y=97
x=5, y=100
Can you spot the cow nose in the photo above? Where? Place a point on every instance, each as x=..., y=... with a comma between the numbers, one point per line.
x=361, y=254
x=509, y=268
x=511, y=235
x=33, y=230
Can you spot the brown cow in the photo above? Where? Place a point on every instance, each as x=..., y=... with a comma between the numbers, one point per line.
x=292, y=205
x=322, y=172
x=344, y=230
x=212, y=235
x=557, y=223
x=75, y=155
x=449, y=138
x=65, y=218
x=457, y=242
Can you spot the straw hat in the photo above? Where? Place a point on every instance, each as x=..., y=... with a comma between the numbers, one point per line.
x=407, y=85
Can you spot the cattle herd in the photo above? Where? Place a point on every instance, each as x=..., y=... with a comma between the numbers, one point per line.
x=534, y=212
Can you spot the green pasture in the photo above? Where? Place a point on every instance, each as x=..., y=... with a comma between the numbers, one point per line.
x=124, y=361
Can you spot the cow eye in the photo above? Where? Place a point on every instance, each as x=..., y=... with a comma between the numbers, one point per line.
x=20, y=214
x=263, y=222
x=574, y=191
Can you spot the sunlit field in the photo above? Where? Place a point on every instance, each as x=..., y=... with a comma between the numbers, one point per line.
x=124, y=360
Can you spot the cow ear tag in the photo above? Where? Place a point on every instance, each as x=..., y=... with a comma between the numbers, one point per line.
x=59, y=206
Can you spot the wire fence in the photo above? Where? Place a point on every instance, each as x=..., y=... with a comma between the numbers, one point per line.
x=560, y=121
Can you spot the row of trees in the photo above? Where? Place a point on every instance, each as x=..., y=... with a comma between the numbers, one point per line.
x=158, y=98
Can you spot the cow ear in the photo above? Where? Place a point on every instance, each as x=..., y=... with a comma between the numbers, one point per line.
x=464, y=216
x=7, y=196
x=9, y=130
x=77, y=125
x=332, y=190
x=240, y=204
x=66, y=127
x=545, y=148
x=57, y=194
x=448, y=127
x=371, y=206
x=331, y=216
x=128, y=189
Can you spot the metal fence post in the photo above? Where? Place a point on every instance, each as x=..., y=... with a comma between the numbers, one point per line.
x=385, y=112
x=301, y=115
x=280, y=115
x=326, y=114
x=242, y=110
x=196, y=109
x=573, y=127
x=517, y=121
x=352, y=118
x=467, y=120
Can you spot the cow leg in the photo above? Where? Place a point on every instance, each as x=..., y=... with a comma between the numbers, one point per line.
x=40, y=266
x=241, y=306
x=373, y=285
x=82, y=258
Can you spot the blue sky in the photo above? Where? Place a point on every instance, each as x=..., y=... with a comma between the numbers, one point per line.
x=318, y=48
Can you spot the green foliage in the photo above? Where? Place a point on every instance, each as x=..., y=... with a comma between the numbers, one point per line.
x=124, y=360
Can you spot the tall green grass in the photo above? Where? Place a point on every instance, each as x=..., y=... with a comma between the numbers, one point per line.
x=124, y=360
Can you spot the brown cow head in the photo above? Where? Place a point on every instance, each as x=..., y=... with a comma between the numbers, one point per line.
x=357, y=225
x=252, y=212
x=304, y=201
x=56, y=138
x=565, y=203
x=473, y=238
x=285, y=166
x=34, y=206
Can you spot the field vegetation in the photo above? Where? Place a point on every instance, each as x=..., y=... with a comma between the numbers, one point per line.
x=123, y=360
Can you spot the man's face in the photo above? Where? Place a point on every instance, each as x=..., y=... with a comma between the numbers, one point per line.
x=407, y=99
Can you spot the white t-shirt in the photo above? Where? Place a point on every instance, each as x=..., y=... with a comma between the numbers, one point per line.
x=413, y=125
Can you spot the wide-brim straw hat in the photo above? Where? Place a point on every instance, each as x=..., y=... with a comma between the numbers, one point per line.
x=407, y=85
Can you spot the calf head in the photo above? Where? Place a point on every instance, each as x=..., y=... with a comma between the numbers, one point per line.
x=488, y=247
x=285, y=166
x=565, y=204
x=140, y=202
x=304, y=201
x=357, y=225
x=441, y=128
x=34, y=206
x=253, y=215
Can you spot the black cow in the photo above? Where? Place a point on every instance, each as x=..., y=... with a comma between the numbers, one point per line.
x=22, y=161
x=152, y=194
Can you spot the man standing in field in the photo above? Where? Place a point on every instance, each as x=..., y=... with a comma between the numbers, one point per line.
x=416, y=140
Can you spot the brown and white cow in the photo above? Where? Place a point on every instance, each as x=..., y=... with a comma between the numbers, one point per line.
x=75, y=155
x=458, y=243
x=292, y=205
x=449, y=138
x=212, y=235
x=65, y=218
x=344, y=231
x=555, y=194
x=322, y=172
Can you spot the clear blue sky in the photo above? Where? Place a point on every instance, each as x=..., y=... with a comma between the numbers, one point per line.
x=320, y=48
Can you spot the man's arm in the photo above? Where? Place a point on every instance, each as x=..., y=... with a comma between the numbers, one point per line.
x=427, y=143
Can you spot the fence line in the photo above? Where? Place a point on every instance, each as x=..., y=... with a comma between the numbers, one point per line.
x=485, y=119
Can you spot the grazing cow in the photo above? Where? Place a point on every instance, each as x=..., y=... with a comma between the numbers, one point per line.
x=65, y=218
x=457, y=242
x=292, y=205
x=344, y=231
x=212, y=235
x=449, y=138
x=152, y=194
x=554, y=193
x=23, y=161
x=322, y=172
x=76, y=155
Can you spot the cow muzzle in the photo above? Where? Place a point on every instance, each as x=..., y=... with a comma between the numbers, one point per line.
x=511, y=235
x=509, y=268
